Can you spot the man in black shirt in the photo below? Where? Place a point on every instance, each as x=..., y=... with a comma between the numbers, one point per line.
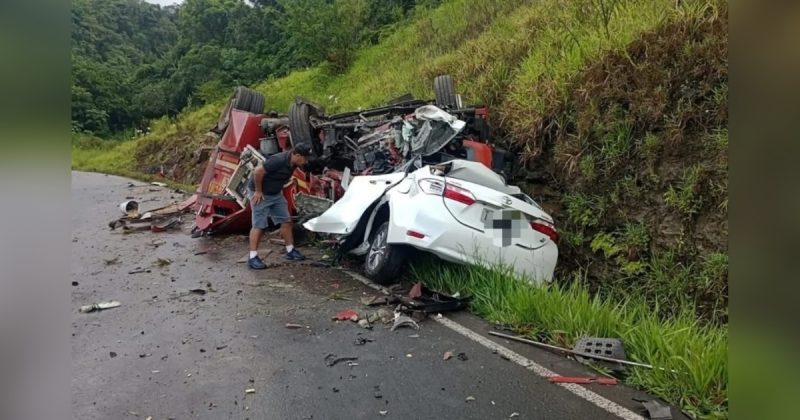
x=265, y=191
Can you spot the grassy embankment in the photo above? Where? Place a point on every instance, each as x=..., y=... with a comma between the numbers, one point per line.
x=618, y=109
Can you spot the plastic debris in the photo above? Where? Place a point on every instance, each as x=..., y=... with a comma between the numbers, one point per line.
x=514, y=414
x=158, y=184
x=655, y=410
x=250, y=391
x=470, y=398
x=447, y=355
x=99, y=306
x=403, y=321
x=293, y=326
x=347, y=314
x=383, y=412
x=332, y=359
x=364, y=323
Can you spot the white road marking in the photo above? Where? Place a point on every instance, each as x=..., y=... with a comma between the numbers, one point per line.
x=523, y=361
x=540, y=370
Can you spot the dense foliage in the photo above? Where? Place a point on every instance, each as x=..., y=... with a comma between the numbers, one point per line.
x=134, y=61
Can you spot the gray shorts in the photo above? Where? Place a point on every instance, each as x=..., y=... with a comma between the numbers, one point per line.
x=272, y=206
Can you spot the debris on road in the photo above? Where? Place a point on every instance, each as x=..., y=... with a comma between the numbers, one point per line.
x=99, y=306
x=347, y=314
x=374, y=300
x=112, y=261
x=293, y=326
x=447, y=355
x=514, y=414
x=250, y=391
x=158, y=184
x=360, y=341
x=557, y=379
x=74, y=283
x=112, y=354
x=656, y=410
x=470, y=398
x=426, y=301
x=573, y=352
x=364, y=323
x=462, y=356
x=163, y=262
x=201, y=253
x=608, y=347
x=139, y=271
x=416, y=290
x=332, y=360
x=198, y=291
x=383, y=412
x=403, y=321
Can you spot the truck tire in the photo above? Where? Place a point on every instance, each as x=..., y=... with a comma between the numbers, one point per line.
x=384, y=261
x=300, y=126
x=243, y=99
x=445, y=90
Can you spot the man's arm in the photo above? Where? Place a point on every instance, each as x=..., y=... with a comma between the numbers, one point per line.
x=258, y=179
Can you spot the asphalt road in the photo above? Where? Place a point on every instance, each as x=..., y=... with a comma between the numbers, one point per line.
x=169, y=353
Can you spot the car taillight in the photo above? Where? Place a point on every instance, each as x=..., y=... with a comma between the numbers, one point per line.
x=546, y=228
x=458, y=194
x=451, y=191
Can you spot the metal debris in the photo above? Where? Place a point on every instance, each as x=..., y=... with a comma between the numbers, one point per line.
x=333, y=360
x=470, y=398
x=99, y=306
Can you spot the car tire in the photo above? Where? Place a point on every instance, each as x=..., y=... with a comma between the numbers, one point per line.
x=445, y=90
x=300, y=126
x=384, y=261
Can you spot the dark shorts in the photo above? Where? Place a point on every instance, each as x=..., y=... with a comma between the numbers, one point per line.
x=272, y=206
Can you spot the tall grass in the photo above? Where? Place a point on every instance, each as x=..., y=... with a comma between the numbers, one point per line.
x=698, y=352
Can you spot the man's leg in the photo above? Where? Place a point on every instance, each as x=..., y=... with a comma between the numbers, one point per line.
x=287, y=233
x=255, y=238
x=280, y=213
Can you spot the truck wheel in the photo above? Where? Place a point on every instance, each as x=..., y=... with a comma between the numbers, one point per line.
x=300, y=126
x=243, y=99
x=445, y=90
x=384, y=261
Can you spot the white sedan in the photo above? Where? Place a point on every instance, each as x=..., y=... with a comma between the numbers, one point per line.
x=459, y=210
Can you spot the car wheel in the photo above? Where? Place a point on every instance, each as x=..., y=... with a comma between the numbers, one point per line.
x=300, y=126
x=445, y=90
x=384, y=261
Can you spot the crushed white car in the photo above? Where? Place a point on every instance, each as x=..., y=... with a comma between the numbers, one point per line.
x=460, y=211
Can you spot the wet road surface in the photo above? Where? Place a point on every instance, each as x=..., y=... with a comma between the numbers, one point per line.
x=167, y=352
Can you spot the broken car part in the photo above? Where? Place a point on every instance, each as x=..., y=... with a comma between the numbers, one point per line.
x=404, y=321
x=99, y=306
x=561, y=349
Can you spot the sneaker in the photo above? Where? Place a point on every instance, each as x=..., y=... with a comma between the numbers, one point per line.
x=295, y=255
x=256, y=264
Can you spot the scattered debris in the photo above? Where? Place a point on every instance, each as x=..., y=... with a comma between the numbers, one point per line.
x=293, y=326
x=351, y=364
x=514, y=414
x=447, y=355
x=409, y=355
x=403, y=321
x=561, y=349
x=374, y=300
x=413, y=336
x=383, y=412
x=426, y=301
x=112, y=261
x=333, y=360
x=462, y=356
x=112, y=354
x=582, y=380
x=74, y=283
x=347, y=314
x=470, y=398
x=608, y=347
x=201, y=253
x=250, y=391
x=656, y=410
x=130, y=208
x=99, y=306
x=158, y=184
x=163, y=262
x=416, y=290
x=198, y=291
x=364, y=323
x=360, y=341
x=140, y=270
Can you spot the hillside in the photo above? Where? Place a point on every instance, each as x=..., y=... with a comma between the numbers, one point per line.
x=616, y=109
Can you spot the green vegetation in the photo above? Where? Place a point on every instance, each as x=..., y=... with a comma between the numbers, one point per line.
x=561, y=314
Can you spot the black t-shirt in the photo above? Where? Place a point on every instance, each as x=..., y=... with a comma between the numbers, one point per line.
x=279, y=170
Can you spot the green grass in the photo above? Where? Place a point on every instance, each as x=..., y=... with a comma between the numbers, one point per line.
x=562, y=314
